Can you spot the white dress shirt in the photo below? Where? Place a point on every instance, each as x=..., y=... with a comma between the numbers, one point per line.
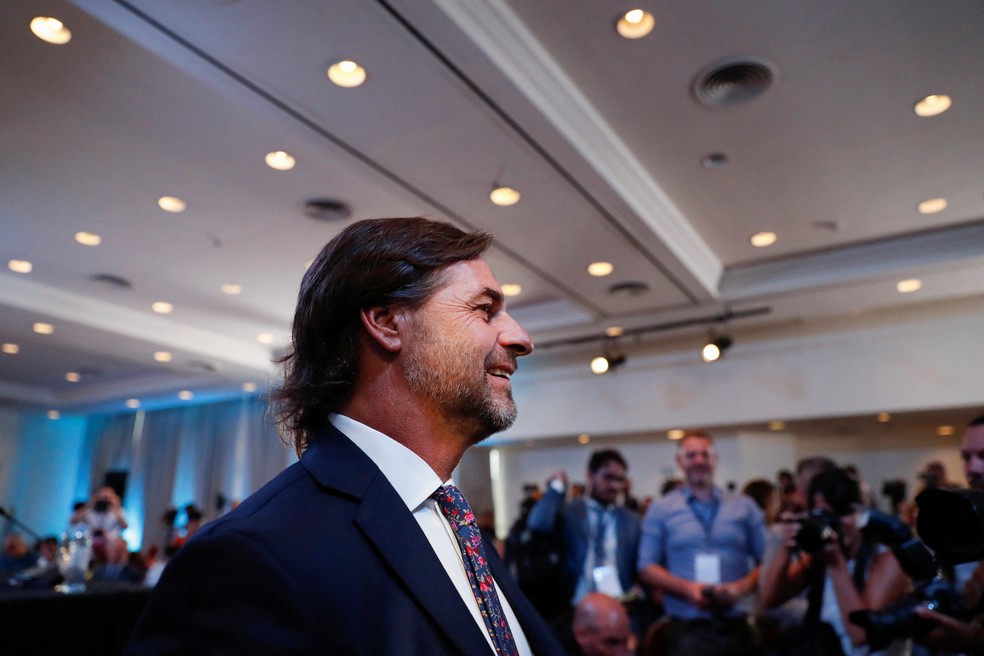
x=414, y=480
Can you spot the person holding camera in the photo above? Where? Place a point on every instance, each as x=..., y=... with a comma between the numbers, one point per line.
x=825, y=553
x=104, y=513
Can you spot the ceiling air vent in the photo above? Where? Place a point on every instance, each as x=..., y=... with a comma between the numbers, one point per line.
x=326, y=209
x=733, y=83
x=629, y=288
x=112, y=281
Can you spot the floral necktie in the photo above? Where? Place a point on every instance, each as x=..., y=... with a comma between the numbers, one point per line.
x=455, y=508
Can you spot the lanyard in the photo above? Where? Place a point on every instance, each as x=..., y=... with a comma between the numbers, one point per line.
x=704, y=512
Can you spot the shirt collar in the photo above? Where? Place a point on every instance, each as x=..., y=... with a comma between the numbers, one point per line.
x=411, y=477
x=689, y=494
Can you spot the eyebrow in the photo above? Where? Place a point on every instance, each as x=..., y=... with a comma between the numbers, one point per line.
x=494, y=295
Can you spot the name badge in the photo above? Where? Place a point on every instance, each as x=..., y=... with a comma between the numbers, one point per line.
x=606, y=581
x=707, y=568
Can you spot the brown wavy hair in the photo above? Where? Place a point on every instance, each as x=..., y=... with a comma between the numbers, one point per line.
x=376, y=262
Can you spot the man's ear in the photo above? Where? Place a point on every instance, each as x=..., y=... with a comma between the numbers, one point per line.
x=385, y=326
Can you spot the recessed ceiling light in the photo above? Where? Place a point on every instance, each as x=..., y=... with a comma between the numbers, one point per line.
x=600, y=269
x=932, y=205
x=945, y=431
x=163, y=356
x=512, y=289
x=133, y=403
x=614, y=331
x=10, y=349
x=910, y=285
x=73, y=377
x=777, y=425
x=635, y=24
x=933, y=105
x=231, y=288
x=675, y=434
x=280, y=161
x=763, y=239
x=162, y=307
x=43, y=328
x=347, y=73
x=88, y=238
x=51, y=30
x=172, y=204
x=714, y=160
x=504, y=196
x=266, y=338
x=249, y=387
x=54, y=414
x=186, y=395
x=583, y=438
x=884, y=417
x=20, y=266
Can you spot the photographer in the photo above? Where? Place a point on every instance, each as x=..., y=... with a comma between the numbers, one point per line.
x=825, y=553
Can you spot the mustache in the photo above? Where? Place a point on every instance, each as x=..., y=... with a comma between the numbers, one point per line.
x=506, y=361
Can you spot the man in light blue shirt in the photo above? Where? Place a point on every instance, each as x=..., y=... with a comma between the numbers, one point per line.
x=701, y=548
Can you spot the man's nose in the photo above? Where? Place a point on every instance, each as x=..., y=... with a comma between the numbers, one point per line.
x=514, y=337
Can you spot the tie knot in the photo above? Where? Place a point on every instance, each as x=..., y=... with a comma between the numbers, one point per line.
x=454, y=505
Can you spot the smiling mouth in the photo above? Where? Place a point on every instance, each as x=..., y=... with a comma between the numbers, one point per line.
x=500, y=373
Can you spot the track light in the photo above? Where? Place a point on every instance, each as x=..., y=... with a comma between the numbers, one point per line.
x=609, y=360
x=715, y=348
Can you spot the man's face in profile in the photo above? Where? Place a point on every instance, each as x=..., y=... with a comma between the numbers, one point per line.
x=972, y=452
x=461, y=350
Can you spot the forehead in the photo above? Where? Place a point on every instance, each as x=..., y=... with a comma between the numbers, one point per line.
x=609, y=468
x=695, y=444
x=469, y=277
x=974, y=439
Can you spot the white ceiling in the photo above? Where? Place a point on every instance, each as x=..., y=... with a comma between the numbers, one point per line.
x=603, y=136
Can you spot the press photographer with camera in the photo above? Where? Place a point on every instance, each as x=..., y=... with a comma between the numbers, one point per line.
x=824, y=552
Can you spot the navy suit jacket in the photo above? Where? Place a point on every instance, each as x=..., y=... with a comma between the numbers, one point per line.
x=324, y=559
x=570, y=521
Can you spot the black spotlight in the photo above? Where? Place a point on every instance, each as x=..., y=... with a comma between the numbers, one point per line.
x=715, y=348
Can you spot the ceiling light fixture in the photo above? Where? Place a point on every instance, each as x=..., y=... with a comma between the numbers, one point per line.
x=231, y=288
x=51, y=30
x=133, y=404
x=635, y=24
x=676, y=434
x=614, y=331
x=20, y=266
x=715, y=347
x=186, y=395
x=512, y=289
x=945, y=431
x=932, y=205
x=884, y=417
x=346, y=73
x=777, y=425
x=504, y=196
x=162, y=307
x=249, y=388
x=88, y=238
x=932, y=105
x=10, y=349
x=266, y=338
x=278, y=160
x=163, y=356
x=583, y=438
x=43, y=328
x=73, y=377
x=53, y=415
x=600, y=269
x=172, y=204
x=763, y=239
x=909, y=286
x=610, y=359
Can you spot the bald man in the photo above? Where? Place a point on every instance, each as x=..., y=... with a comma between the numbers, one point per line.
x=601, y=627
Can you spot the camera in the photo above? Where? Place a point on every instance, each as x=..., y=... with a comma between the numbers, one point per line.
x=815, y=531
x=101, y=506
x=930, y=588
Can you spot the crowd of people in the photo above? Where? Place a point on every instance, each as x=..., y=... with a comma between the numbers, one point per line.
x=803, y=564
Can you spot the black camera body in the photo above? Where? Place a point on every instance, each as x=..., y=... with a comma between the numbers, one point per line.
x=815, y=530
x=930, y=588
